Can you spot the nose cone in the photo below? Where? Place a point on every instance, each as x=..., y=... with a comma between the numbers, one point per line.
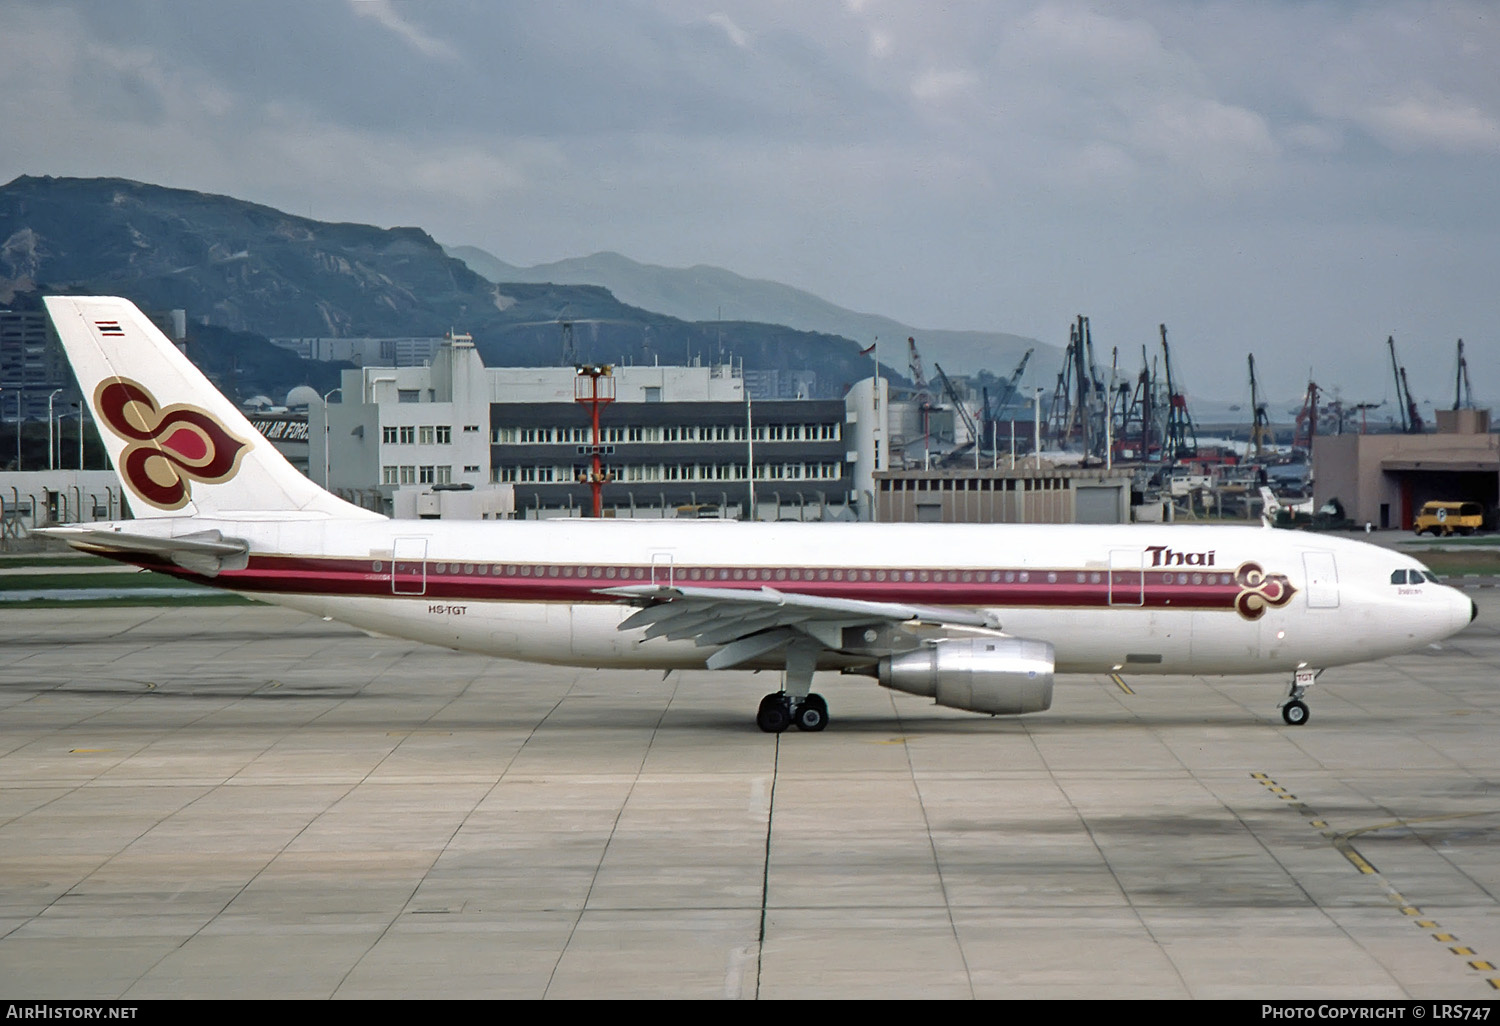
x=1462, y=611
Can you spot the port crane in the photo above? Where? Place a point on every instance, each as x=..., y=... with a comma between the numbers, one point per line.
x=1411, y=420
x=1260, y=420
x=1463, y=395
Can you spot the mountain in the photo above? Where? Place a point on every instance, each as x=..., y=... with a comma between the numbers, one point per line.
x=252, y=272
x=704, y=293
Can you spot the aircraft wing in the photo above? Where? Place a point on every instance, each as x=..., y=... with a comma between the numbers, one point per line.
x=750, y=623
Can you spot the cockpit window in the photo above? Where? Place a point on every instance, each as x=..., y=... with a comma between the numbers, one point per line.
x=1430, y=576
x=1398, y=576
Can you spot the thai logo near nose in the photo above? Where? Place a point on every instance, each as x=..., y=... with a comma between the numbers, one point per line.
x=168, y=448
x=1260, y=591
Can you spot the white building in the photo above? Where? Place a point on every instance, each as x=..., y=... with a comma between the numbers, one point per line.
x=671, y=438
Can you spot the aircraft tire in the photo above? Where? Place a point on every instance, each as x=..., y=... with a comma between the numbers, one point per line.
x=773, y=716
x=812, y=714
x=1295, y=713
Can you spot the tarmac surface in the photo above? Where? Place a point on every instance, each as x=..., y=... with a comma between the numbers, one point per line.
x=243, y=802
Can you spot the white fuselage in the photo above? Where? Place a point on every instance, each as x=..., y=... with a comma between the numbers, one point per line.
x=1133, y=599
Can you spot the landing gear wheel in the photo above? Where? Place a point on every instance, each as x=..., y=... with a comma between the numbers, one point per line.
x=774, y=714
x=812, y=714
x=1295, y=713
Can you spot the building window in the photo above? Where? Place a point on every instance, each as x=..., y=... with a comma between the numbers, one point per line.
x=388, y=435
x=424, y=435
x=425, y=475
x=652, y=393
x=444, y=475
x=408, y=475
x=408, y=435
x=474, y=469
x=388, y=476
x=408, y=395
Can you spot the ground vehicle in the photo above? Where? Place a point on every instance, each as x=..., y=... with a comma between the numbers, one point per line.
x=1445, y=518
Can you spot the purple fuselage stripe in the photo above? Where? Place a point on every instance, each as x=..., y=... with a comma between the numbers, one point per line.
x=302, y=575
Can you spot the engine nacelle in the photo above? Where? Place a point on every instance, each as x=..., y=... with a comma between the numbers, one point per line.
x=1004, y=676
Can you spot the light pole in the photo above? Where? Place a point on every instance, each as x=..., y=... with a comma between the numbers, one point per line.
x=51, y=462
x=1037, y=428
x=325, y=430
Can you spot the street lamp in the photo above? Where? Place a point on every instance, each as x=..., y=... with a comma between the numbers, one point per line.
x=1036, y=444
x=51, y=463
x=325, y=430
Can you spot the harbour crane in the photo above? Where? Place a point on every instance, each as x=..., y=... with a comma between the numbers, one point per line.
x=1463, y=395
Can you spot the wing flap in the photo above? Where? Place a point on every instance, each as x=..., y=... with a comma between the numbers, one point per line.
x=750, y=623
x=852, y=610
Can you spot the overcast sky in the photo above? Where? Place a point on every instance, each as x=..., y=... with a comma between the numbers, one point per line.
x=1295, y=179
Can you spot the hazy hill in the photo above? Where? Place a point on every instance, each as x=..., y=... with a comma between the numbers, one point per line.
x=248, y=268
x=703, y=293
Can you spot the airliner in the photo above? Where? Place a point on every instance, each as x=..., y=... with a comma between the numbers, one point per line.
x=976, y=617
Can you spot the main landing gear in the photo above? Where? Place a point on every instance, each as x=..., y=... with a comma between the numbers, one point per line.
x=1294, y=711
x=779, y=710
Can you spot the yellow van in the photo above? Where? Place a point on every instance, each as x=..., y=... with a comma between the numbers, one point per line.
x=1445, y=518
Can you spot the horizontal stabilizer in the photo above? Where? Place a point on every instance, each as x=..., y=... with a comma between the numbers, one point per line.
x=206, y=552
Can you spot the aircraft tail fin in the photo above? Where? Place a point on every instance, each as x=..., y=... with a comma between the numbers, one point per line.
x=179, y=447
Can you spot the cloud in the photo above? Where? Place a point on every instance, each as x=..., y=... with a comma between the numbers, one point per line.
x=738, y=36
x=1243, y=172
x=384, y=13
x=1451, y=124
x=941, y=84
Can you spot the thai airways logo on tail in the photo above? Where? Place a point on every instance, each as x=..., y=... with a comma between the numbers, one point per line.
x=167, y=448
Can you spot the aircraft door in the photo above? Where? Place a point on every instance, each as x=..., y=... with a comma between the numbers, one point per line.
x=1127, y=577
x=661, y=569
x=409, y=566
x=1322, y=580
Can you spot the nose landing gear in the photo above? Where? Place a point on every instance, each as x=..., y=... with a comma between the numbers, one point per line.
x=1294, y=711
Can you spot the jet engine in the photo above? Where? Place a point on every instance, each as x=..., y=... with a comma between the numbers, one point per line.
x=1004, y=676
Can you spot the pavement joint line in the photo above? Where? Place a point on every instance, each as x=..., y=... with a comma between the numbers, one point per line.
x=1345, y=847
